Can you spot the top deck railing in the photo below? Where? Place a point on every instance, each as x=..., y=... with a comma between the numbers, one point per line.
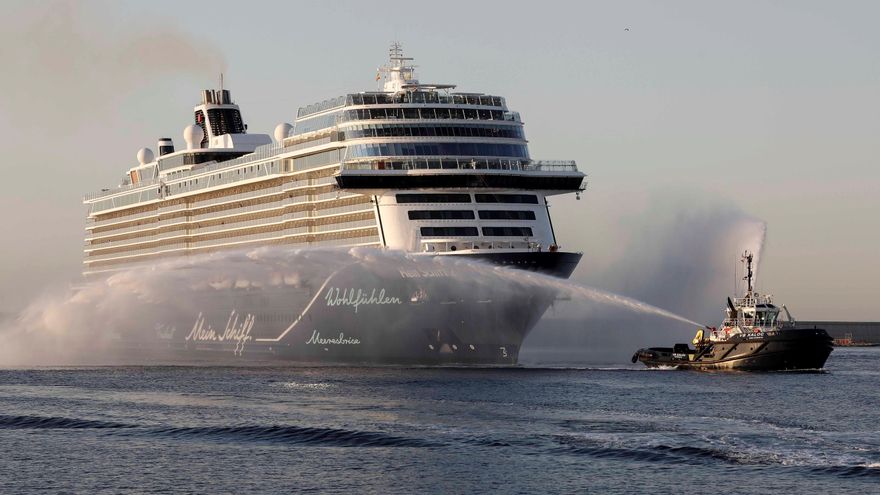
x=752, y=300
x=405, y=97
x=405, y=164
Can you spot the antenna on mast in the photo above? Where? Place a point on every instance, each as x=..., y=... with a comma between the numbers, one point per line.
x=221, y=82
x=747, y=259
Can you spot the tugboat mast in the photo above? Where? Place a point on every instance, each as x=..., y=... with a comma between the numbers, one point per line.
x=747, y=259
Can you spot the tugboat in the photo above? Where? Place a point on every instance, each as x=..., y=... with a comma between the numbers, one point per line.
x=751, y=338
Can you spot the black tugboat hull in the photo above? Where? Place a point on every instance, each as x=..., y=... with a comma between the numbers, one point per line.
x=778, y=351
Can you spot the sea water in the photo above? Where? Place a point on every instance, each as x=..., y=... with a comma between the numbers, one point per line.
x=616, y=429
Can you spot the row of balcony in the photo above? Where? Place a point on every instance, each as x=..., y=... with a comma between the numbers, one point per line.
x=300, y=187
x=318, y=207
x=232, y=227
x=283, y=235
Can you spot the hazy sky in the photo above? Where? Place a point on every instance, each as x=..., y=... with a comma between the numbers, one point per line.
x=701, y=113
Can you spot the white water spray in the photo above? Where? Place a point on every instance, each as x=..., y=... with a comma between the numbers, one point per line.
x=585, y=293
x=748, y=235
x=83, y=326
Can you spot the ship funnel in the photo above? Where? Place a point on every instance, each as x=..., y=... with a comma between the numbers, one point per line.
x=216, y=97
x=165, y=146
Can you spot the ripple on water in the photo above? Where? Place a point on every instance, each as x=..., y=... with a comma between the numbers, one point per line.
x=235, y=433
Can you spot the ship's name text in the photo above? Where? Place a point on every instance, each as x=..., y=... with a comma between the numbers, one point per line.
x=341, y=340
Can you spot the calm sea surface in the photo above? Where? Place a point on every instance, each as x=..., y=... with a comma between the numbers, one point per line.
x=396, y=430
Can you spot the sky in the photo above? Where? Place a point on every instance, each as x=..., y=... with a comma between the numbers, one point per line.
x=689, y=117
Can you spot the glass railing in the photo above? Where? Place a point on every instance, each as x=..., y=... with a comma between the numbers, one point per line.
x=119, y=220
x=130, y=242
x=343, y=226
x=358, y=208
x=403, y=98
x=126, y=230
x=260, y=236
x=134, y=252
x=460, y=164
x=552, y=165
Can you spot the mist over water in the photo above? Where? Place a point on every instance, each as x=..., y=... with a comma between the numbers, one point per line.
x=684, y=257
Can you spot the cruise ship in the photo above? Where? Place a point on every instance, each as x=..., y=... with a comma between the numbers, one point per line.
x=412, y=167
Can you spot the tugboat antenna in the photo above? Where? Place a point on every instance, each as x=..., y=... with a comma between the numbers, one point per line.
x=747, y=259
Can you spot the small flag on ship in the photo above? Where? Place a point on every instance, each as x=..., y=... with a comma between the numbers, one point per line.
x=377, y=76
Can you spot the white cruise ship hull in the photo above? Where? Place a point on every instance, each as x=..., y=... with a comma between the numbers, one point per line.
x=416, y=312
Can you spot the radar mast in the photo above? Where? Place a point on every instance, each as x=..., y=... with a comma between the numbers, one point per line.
x=397, y=72
x=747, y=258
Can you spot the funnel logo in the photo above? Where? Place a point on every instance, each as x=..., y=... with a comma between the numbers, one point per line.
x=358, y=297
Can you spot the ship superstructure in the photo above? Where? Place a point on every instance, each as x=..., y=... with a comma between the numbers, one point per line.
x=412, y=167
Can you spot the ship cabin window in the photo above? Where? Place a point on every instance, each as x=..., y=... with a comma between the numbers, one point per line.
x=507, y=215
x=308, y=125
x=433, y=198
x=441, y=215
x=448, y=231
x=764, y=318
x=507, y=231
x=445, y=130
x=507, y=198
x=435, y=149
